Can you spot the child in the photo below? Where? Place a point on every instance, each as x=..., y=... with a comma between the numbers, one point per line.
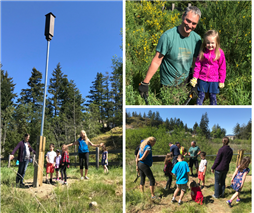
x=196, y=193
x=57, y=163
x=64, y=162
x=181, y=171
x=238, y=179
x=50, y=158
x=202, y=169
x=168, y=168
x=104, y=160
x=210, y=68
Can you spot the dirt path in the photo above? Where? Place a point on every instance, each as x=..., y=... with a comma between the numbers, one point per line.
x=213, y=205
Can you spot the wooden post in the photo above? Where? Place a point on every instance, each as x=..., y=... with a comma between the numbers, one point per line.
x=97, y=157
x=189, y=4
x=39, y=165
x=239, y=157
x=33, y=160
x=9, y=161
x=173, y=7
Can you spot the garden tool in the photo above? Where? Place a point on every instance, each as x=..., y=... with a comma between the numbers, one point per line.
x=192, y=94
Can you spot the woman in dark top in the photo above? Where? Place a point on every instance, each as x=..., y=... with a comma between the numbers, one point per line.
x=83, y=151
x=220, y=168
x=23, y=157
x=144, y=161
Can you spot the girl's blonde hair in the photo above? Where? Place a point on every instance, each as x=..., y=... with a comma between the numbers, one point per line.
x=244, y=163
x=168, y=157
x=65, y=148
x=86, y=138
x=147, y=141
x=215, y=34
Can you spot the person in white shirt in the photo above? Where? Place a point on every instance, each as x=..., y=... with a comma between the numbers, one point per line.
x=202, y=169
x=50, y=158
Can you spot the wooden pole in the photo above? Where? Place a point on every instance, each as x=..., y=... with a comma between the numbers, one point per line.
x=173, y=7
x=9, y=161
x=97, y=157
x=39, y=165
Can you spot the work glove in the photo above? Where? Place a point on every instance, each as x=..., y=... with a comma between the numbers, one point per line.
x=143, y=89
x=221, y=85
x=193, y=82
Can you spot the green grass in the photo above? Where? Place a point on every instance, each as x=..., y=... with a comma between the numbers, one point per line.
x=105, y=189
x=135, y=200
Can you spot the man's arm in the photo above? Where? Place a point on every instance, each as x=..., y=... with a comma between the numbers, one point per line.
x=156, y=62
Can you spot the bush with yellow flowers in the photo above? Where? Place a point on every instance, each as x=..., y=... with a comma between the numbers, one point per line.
x=146, y=21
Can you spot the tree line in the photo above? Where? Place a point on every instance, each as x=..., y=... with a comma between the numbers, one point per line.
x=201, y=128
x=66, y=112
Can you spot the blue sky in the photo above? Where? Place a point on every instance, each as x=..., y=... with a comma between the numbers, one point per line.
x=87, y=36
x=225, y=117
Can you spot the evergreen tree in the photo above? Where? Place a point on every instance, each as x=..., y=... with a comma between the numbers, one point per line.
x=204, y=125
x=237, y=130
x=34, y=94
x=57, y=88
x=97, y=94
x=150, y=113
x=7, y=105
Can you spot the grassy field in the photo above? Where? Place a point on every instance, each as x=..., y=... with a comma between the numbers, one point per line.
x=105, y=189
x=138, y=202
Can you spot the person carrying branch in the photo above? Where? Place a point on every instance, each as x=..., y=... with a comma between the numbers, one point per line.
x=83, y=151
x=176, y=51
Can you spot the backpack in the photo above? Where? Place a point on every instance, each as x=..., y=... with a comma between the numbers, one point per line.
x=168, y=168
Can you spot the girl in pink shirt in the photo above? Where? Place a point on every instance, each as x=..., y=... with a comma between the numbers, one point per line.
x=210, y=68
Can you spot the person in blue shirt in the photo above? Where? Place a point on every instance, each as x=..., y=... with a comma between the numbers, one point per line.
x=181, y=171
x=83, y=151
x=175, y=151
x=144, y=161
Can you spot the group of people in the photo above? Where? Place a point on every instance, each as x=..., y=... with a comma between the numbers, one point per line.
x=180, y=169
x=178, y=49
x=57, y=161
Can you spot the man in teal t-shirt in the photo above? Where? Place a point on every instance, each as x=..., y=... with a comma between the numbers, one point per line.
x=194, y=151
x=176, y=51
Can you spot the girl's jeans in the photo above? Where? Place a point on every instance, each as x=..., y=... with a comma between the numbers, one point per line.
x=201, y=97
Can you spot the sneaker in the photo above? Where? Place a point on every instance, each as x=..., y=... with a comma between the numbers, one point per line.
x=65, y=183
x=180, y=203
x=57, y=179
x=222, y=196
x=215, y=197
x=237, y=201
x=51, y=181
x=47, y=181
x=165, y=188
x=82, y=178
x=86, y=177
x=173, y=201
x=198, y=184
x=229, y=203
x=202, y=187
x=155, y=197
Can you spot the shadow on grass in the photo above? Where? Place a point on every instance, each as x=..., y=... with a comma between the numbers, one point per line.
x=208, y=199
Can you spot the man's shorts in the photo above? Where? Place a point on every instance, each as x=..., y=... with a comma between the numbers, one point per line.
x=201, y=176
x=50, y=168
x=183, y=187
x=193, y=161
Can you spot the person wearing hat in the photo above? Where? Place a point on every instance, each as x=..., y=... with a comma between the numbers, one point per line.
x=57, y=163
x=175, y=151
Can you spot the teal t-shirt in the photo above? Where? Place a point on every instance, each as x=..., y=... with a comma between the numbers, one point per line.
x=181, y=170
x=194, y=151
x=178, y=54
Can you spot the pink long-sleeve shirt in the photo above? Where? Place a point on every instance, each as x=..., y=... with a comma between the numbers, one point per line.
x=209, y=70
